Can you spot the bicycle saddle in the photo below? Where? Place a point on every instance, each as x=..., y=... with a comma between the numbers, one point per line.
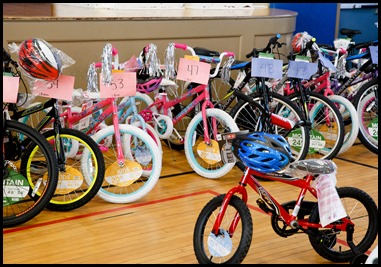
x=313, y=166
x=206, y=52
x=349, y=32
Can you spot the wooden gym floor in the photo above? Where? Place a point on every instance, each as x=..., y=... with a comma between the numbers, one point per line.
x=159, y=227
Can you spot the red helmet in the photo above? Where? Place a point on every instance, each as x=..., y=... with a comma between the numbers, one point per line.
x=40, y=59
x=299, y=41
x=146, y=84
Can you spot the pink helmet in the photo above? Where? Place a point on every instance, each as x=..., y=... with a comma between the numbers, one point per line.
x=146, y=84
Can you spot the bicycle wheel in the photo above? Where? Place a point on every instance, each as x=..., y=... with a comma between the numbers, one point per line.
x=208, y=160
x=366, y=104
x=28, y=185
x=362, y=211
x=225, y=247
x=247, y=118
x=348, y=112
x=83, y=158
x=141, y=169
x=327, y=125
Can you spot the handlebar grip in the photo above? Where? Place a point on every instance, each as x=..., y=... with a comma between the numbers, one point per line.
x=6, y=56
x=114, y=51
x=98, y=64
x=229, y=54
x=181, y=46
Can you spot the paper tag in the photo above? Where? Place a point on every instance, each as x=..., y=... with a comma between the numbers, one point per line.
x=330, y=207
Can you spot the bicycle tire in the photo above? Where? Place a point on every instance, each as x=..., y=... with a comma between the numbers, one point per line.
x=247, y=119
x=205, y=252
x=82, y=157
x=348, y=111
x=22, y=206
x=319, y=146
x=147, y=156
x=207, y=167
x=366, y=104
x=365, y=224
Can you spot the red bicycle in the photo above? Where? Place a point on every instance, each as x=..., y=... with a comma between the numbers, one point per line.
x=224, y=229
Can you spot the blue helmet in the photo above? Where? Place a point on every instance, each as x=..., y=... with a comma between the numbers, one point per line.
x=262, y=152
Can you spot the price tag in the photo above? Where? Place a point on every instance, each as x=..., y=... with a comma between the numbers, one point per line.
x=326, y=62
x=123, y=84
x=266, y=67
x=374, y=53
x=62, y=88
x=10, y=88
x=193, y=71
x=301, y=69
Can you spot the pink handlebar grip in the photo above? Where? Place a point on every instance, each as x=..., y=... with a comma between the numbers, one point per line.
x=181, y=46
x=114, y=51
x=229, y=54
x=98, y=64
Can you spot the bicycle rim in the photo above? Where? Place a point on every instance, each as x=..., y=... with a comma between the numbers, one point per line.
x=81, y=175
x=209, y=163
x=141, y=169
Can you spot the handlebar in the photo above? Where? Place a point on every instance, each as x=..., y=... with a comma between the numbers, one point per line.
x=273, y=41
x=7, y=58
x=205, y=58
x=311, y=44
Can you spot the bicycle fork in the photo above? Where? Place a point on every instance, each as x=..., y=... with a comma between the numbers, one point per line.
x=239, y=189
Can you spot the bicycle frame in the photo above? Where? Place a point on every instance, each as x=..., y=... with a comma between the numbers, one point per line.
x=111, y=109
x=249, y=178
x=52, y=115
x=203, y=95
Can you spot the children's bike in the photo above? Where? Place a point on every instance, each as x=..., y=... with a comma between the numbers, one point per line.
x=201, y=135
x=80, y=177
x=340, y=222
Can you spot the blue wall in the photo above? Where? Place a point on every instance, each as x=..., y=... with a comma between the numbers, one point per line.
x=365, y=19
x=318, y=19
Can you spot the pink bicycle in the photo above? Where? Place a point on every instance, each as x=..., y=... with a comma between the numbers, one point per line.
x=199, y=133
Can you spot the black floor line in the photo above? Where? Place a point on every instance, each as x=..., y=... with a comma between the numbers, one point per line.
x=176, y=174
x=358, y=163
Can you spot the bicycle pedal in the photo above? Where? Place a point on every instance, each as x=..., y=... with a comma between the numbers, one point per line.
x=263, y=206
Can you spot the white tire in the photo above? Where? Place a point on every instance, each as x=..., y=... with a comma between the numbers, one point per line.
x=194, y=160
x=347, y=111
x=143, y=184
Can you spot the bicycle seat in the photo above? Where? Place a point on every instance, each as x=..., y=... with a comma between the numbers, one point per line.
x=349, y=32
x=312, y=166
x=206, y=52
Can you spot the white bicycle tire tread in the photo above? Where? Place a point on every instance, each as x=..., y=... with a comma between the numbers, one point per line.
x=351, y=138
x=154, y=175
x=211, y=112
